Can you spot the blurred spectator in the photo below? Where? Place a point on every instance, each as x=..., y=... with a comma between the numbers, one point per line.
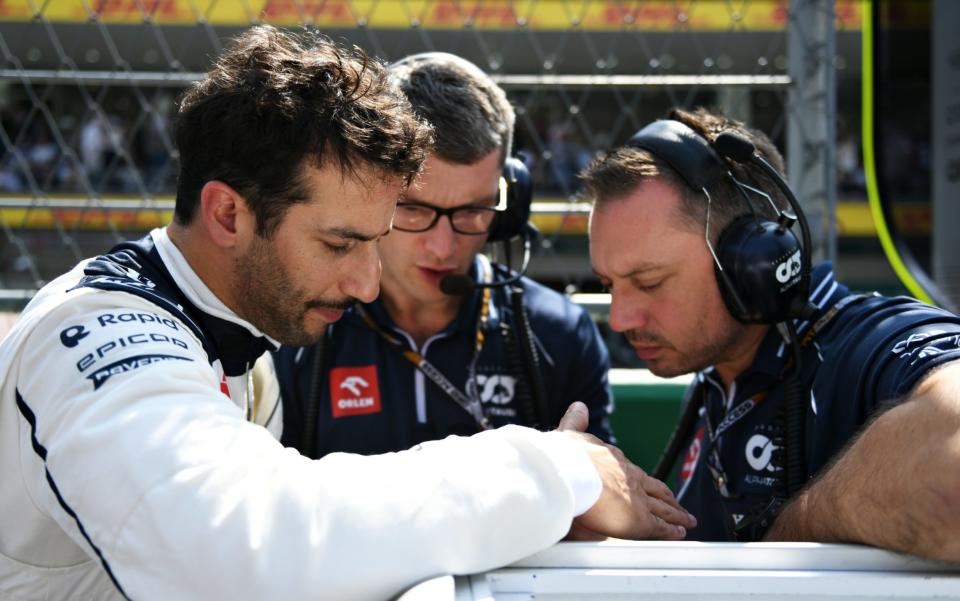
x=41, y=153
x=102, y=147
x=154, y=147
x=568, y=157
x=850, y=176
x=93, y=147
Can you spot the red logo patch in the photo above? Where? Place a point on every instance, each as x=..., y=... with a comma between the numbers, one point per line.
x=354, y=391
x=693, y=454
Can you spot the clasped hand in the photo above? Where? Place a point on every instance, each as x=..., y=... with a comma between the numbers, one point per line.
x=632, y=505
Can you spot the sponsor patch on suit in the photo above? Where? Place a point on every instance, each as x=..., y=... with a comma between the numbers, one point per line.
x=354, y=391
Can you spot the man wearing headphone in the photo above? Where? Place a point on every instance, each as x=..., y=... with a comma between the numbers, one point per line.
x=454, y=344
x=816, y=414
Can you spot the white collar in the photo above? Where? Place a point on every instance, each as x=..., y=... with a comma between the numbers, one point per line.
x=193, y=287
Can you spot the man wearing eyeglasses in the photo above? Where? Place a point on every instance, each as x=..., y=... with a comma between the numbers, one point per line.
x=418, y=364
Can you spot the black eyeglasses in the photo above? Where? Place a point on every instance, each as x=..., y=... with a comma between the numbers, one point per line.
x=469, y=220
x=472, y=221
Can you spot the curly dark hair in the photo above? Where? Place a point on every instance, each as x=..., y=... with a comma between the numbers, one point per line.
x=276, y=102
x=613, y=174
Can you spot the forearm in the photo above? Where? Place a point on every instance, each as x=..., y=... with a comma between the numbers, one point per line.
x=897, y=486
x=293, y=529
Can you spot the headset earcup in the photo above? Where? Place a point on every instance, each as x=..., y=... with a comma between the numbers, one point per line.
x=761, y=270
x=763, y=274
x=511, y=223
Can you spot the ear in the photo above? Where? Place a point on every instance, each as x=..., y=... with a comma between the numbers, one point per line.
x=223, y=213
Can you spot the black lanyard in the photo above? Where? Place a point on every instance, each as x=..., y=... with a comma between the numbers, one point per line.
x=731, y=417
x=472, y=405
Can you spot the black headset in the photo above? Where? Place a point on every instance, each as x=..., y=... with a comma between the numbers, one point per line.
x=762, y=268
x=514, y=220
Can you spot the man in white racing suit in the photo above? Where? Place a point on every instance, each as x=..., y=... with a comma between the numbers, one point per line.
x=129, y=464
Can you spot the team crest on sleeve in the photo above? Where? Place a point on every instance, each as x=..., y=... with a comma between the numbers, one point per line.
x=354, y=391
x=928, y=343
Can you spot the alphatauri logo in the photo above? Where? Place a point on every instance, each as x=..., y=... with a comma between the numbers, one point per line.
x=759, y=452
x=496, y=389
x=789, y=268
x=354, y=391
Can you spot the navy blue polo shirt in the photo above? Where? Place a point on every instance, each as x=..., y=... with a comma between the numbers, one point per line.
x=871, y=352
x=373, y=400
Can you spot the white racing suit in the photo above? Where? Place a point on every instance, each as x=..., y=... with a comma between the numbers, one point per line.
x=126, y=470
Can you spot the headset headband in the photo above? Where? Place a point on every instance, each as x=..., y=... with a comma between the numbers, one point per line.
x=673, y=142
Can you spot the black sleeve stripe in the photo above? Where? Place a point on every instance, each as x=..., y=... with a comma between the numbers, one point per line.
x=28, y=415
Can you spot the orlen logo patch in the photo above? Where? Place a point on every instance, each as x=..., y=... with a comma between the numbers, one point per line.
x=354, y=391
x=693, y=455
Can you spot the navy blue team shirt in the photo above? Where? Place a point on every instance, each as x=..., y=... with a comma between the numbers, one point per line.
x=867, y=356
x=373, y=400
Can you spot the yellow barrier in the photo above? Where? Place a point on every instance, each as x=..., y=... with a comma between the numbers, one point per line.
x=853, y=218
x=94, y=218
x=555, y=15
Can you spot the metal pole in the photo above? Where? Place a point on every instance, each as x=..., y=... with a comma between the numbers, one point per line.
x=812, y=116
x=522, y=81
x=945, y=131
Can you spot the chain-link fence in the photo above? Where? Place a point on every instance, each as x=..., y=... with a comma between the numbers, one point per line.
x=87, y=89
